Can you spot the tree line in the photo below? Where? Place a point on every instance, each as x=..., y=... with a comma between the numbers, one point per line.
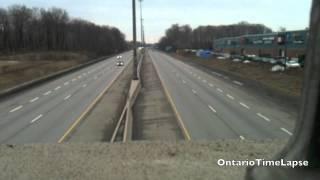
x=37, y=29
x=202, y=37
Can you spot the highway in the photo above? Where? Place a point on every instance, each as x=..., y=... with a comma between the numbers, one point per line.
x=213, y=106
x=45, y=113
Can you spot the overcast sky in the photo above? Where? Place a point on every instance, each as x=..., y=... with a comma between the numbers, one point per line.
x=161, y=14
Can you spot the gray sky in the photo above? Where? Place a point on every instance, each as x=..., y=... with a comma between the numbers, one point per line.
x=160, y=14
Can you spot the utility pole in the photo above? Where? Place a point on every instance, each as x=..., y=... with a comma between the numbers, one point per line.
x=141, y=21
x=135, y=61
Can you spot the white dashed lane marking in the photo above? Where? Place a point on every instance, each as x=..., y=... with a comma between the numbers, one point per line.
x=85, y=85
x=220, y=90
x=184, y=82
x=36, y=119
x=212, y=109
x=67, y=97
x=244, y=105
x=34, y=99
x=230, y=97
x=16, y=109
x=286, y=131
x=218, y=74
x=211, y=85
x=263, y=117
x=194, y=91
x=66, y=83
x=238, y=83
x=242, y=138
x=47, y=93
x=57, y=88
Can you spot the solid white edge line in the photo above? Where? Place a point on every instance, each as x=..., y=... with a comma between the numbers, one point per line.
x=36, y=119
x=286, y=131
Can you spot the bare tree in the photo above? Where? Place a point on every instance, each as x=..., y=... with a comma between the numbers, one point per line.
x=26, y=29
x=202, y=37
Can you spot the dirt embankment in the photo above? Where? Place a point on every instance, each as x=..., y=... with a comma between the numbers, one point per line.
x=288, y=83
x=20, y=68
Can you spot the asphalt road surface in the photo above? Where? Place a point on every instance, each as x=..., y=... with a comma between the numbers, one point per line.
x=43, y=114
x=212, y=106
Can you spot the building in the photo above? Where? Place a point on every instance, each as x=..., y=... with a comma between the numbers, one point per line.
x=283, y=44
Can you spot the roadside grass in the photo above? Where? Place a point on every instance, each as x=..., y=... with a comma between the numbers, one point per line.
x=20, y=68
x=288, y=82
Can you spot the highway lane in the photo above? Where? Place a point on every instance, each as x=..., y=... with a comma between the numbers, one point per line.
x=213, y=108
x=44, y=113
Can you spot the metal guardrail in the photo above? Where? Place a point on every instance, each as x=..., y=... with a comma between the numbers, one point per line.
x=140, y=65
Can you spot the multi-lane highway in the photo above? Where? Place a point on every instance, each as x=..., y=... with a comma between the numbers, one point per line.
x=213, y=106
x=46, y=112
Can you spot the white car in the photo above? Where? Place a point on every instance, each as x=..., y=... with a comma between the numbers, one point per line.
x=277, y=68
x=236, y=60
x=119, y=57
x=120, y=63
x=292, y=64
x=221, y=58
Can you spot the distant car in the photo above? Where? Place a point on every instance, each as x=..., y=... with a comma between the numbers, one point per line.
x=266, y=60
x=250, y=57
x=292, y=64
x=221, y=58
x=120, y=63
x=277, y=68
x=236, y=60
x=273, y=61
